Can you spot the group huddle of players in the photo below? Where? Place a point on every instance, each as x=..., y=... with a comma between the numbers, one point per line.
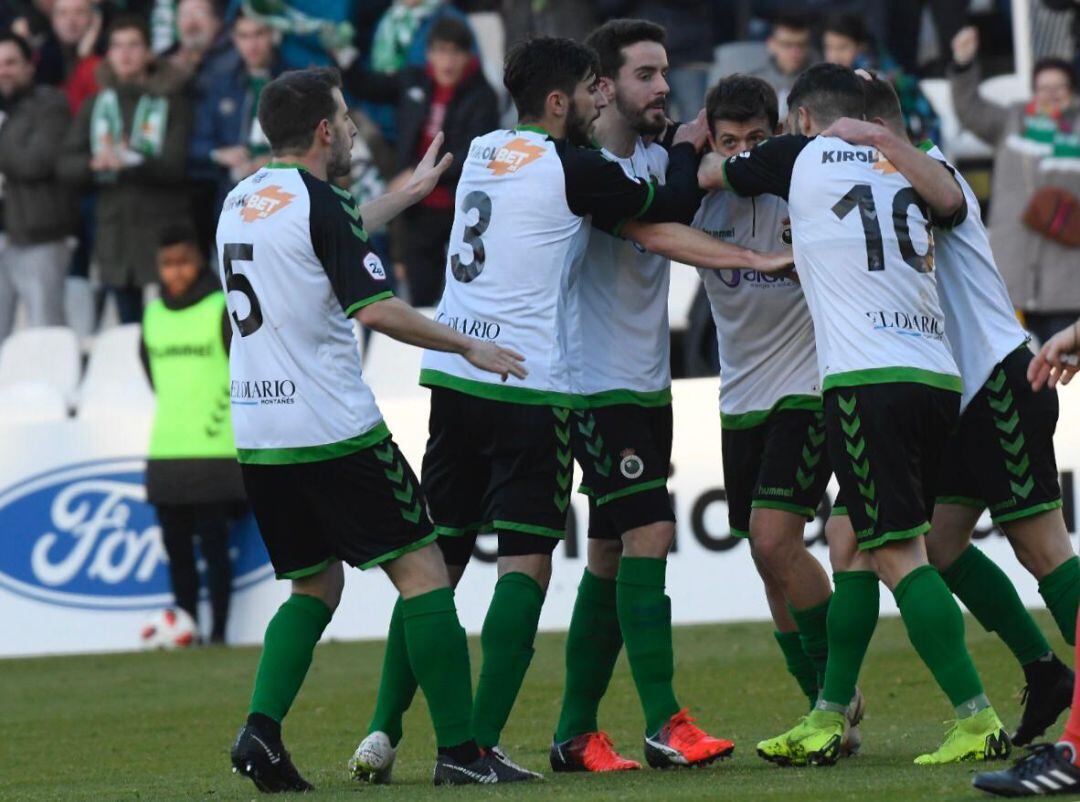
x=890, y=357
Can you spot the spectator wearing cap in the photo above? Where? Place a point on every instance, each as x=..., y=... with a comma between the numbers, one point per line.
x=847, y=42
x=67, y=58
x=1036, y=183
x=130, y=142
x=449, y=93
x=39, y=212
x=192, y=477
x=228, y=144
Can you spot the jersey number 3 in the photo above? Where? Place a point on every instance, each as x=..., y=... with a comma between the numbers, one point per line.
x=862, y=195
x=472, y=236
x=238, y=282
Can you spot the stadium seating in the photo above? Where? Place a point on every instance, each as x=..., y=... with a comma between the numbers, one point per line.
x=31, y=402
x=115, y=384
x=47, y=355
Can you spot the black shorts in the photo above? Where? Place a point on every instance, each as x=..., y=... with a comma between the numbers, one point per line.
x=500, y=467
x=364, y=508
x=885, y=443
x=624, y=451
x=781, y=464
x=1002, y=454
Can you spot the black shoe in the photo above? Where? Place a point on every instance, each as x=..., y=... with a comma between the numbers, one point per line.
x=1045, y=771
x=1043, y=702
x=263, y=759
x=485, y=770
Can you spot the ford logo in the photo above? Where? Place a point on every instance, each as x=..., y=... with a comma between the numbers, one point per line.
x=84, y=536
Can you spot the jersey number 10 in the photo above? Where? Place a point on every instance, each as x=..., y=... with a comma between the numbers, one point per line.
x=862, y=195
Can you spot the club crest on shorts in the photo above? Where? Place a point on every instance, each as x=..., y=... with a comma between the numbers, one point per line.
x=631, y=465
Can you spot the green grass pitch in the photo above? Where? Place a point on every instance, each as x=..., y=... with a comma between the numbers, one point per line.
x=159, y=726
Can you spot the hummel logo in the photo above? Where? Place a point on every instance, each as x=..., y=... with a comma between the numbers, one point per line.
x=490, y=777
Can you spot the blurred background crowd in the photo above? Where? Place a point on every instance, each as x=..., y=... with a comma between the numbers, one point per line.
x=121, y=117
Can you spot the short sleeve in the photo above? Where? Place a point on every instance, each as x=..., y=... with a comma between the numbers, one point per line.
x=598, y=187
x=957, y=217
x=766, y=169
x=337, y=234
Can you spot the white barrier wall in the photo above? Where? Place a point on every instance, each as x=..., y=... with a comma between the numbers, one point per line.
x=81, y=566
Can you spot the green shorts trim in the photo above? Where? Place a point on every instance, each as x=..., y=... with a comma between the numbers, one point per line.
x=751, y=420
x=301, y=454
x=300, y=573
x=770, y=504
x=839, y=509
x=1027, y=512
x=457, y=531
x=962, y=501
x=393, y=555
x=496, y=391
x=856, y=378
x=738, y=532
x=885, y=537
x=631, y=490
x=637, y=398
x=529, y=529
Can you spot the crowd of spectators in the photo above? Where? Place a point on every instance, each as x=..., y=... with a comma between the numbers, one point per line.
x=120, y=117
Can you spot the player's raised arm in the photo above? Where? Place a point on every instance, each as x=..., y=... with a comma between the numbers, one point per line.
x=381, y=210
x=764, y=170
x=696, y=248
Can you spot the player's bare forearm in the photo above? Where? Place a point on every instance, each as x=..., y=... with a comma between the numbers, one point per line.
x=396, y=319
x=381, y=210
x=711, y=174
x=693, y=247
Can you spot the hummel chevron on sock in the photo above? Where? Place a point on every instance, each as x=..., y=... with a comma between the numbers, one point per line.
x=645, y=620
x=799, y=665
x=439, y=656
x=1060, y=590
x=288, y=645
x=853, y=616
x=592, y=647
x=813, y=634
x=935, y=627
x=507, y=641
x=397, y=683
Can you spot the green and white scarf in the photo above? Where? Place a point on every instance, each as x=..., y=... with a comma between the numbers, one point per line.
x=147, y=135
x=395, y=33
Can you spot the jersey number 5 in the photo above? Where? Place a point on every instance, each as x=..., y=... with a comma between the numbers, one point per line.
x=862, y=195
x=238, y=282
x=481, y=202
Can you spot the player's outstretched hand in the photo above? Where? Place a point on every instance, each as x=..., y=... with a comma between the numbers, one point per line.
x=427, y=172
x=696, y=132
x=1057, y=360
x=965, y=45
x=856, y=132
x=778, y=262
x=494, y=359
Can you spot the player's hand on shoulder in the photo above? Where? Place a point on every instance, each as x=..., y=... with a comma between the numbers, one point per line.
x=856, y=132
x=696, y=132
x=1057, y=361
x=495, y=359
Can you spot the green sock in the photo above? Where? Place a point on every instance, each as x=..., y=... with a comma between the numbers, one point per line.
x=645, y=621
x=853, y=616
x=984, y=589
x=935, y=627
x=592, y=647
x=814, y=635
x=1060, y=590
x=799, y=665
x=397, y=684
x=288, y=644
x=439, y=656
x=507, y=641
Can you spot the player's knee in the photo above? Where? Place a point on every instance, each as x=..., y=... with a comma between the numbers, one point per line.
x=326, y=585
x=604, y=556
x=535, y=566
x=1041, y=543
x=417, y=572
x=653, y=540
x=843, y=552
x=773, y=548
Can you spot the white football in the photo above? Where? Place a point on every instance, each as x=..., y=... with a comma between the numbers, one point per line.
x=168, y=629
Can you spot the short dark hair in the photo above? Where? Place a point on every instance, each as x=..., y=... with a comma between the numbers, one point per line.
x=610, y=38
x=293, y=104
x=741, y=98
x=23, y=46
x=177, y=234
x=848, y=24
x=828, y=92
x=792, y=20
x=537, y=67
x=129, y=22
x=882, y=101
x=1053, y=63
x=452, y=31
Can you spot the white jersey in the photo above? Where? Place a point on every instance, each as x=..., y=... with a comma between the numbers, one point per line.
x=618, y=335
x=864, y=250
x=296, y=265
x=516, y=251
x=763, y=326
x=979, y=319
